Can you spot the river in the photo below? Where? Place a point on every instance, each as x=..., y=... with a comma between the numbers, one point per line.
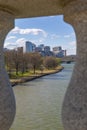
x=39, y=102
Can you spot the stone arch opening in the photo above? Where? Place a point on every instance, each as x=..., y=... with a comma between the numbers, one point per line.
x=19, y=29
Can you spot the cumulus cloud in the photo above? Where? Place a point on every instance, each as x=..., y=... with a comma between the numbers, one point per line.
x=9, y=45
x=19, y=42
x=6, y=44
x=33, y=31
x=11, y=37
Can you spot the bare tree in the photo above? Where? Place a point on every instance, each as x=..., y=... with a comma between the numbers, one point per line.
x=35, y=60
x=50, y=62
x=24, y=63
x=16, y=60
x=8, y=61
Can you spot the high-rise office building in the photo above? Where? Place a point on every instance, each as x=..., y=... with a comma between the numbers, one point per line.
x=28, y=47
x=57, y=49
x=59, y=52
x=41, y=46
x=47, y=48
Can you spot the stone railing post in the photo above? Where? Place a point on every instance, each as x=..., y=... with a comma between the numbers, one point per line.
x=74, y=111
x=7, y=100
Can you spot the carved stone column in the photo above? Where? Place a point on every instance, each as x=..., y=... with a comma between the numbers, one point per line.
x=74, y=112
x=7, y=100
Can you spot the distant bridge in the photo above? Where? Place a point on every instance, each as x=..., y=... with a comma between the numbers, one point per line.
x=70, y=58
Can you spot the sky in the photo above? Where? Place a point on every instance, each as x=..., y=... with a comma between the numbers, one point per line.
x=51, y=31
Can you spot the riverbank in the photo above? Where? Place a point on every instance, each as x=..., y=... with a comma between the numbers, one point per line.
x=24, y=79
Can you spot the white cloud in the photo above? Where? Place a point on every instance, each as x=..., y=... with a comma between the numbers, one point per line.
x=17, y=43
x=6, y=44
x=55, y=36
x=71, y=51
x=11, y=37
x=20, y=40
x=73, y=43
x=38, y=41
x=33, y=31
x=67, y=36
x=9, y=45
x=71, y=48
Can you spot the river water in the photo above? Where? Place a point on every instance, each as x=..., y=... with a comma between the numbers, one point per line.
x=39, y=102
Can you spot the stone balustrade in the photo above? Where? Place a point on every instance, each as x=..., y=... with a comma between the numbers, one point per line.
x=7, y=100
x=74, y=111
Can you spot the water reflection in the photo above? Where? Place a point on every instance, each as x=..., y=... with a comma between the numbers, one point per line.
x=39, y=102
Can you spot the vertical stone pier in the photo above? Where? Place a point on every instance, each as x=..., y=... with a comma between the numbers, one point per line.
x=7, y=100
x=74, y=112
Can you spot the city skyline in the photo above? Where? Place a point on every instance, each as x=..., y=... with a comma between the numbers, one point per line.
x=29, y=47
x=51, y=31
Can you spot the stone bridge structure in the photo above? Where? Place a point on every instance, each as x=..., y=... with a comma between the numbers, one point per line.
x=74, y=110
x=69, y=58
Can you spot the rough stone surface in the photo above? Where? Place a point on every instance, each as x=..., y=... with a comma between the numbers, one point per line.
x=33, y=8
x=7, y=100
x=74, y=112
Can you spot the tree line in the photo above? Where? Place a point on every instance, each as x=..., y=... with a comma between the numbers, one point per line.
x=17, y=61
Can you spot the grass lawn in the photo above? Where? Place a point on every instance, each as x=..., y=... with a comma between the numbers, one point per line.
x=30, y=75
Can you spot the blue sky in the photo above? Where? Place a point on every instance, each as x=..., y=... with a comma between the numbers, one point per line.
x=51, y=31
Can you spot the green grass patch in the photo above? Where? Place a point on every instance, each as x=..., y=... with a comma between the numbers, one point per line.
x=13, y=75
